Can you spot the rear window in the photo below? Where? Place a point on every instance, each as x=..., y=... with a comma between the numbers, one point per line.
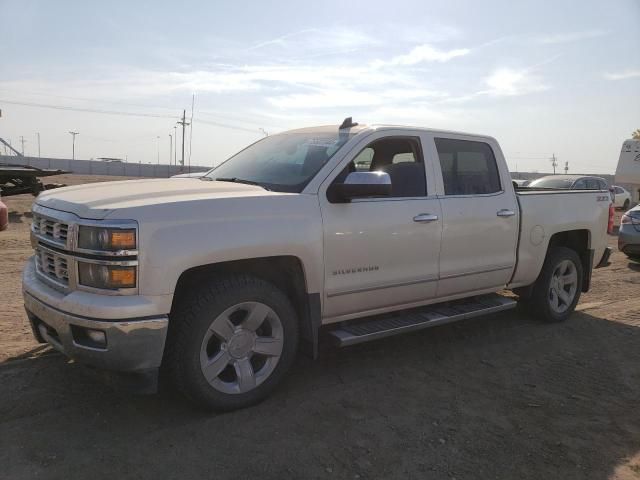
x=468, y=168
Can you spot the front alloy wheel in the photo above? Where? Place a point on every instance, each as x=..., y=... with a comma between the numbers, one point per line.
x=242, y=347
x=231, y=341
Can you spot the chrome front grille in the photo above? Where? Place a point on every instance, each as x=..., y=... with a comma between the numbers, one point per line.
x=52, y=265
x=50, y=229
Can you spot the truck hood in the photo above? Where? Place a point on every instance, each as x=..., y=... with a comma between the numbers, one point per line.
x=98, y=200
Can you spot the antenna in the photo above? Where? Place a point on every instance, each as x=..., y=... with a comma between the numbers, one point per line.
x=347, y=123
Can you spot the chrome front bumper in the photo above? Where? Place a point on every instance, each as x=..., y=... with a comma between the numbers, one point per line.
x=132, y=345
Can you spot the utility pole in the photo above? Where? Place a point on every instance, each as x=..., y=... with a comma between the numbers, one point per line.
x=554, y=163
x=22, y=141
x=170, y=147
x=184, y=123
x=73, y=144
x=38, y=134
x=158, y=142
x=566, y=167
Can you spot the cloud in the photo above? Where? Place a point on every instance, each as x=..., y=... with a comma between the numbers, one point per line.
x=312, y=40
x=569, y=37
x=510, y=82
x=622, y=75
x=421, y=54
x=346, y=97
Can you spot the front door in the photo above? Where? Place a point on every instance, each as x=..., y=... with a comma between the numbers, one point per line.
x=382, y=252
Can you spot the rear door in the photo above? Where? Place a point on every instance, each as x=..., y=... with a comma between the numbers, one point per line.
x=480, y=215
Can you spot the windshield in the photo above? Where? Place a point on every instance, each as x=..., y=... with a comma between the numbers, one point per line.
x=284, y=162
x=550, y=182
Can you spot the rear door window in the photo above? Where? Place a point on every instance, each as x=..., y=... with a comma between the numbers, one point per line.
x=468, y=167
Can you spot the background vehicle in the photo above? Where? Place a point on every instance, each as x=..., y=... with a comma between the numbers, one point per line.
x=570, y=182
x=4, y=216
x=521, y=182
x=629, y=234
x=573, y=182
x=221, y=280
x=622, y=197
x=628, y=169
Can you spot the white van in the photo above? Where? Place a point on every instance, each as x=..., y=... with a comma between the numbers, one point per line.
x=628, y=171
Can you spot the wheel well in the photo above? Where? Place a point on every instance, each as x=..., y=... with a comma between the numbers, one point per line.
x=285, y=272
x=579, y=241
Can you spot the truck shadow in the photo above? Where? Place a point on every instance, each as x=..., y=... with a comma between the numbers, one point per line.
x=497, y=397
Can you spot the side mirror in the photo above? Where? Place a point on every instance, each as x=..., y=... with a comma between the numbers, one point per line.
x=360, y=184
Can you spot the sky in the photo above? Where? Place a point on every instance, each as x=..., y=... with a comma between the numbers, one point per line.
x=543, y=77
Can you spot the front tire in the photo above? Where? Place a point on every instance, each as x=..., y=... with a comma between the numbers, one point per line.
x=557, y=290
x=231, y=342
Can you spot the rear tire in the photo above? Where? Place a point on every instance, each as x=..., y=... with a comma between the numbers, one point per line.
x=231, y=342
x=557, y=290
x=625, y=205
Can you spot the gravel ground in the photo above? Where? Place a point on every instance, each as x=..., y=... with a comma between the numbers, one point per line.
x=499, y=397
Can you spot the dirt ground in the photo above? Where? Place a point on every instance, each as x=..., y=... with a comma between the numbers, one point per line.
x=499, y=397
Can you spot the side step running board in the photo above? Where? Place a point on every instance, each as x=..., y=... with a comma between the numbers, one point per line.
x=364, y=330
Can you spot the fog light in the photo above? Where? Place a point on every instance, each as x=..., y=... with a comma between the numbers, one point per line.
x=89, y=337
x=97, y=336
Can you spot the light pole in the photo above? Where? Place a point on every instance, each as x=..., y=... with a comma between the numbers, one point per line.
x=38, y=134
x=175, y=144
x=158, y=142
x=73, y=144
x=170, y=147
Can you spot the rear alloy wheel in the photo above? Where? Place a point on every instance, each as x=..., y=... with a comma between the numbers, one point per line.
x=563, y=288
x=557, y=290
x=231, y=341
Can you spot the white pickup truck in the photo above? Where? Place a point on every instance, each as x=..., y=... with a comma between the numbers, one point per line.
x=358, y=232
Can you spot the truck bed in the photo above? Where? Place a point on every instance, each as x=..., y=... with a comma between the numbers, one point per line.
x=545, y=212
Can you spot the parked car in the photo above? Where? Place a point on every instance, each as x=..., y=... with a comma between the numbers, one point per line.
x=622, y=197
x=629, y=234
x=520, y=182
x=220, y=281
x=573, y=182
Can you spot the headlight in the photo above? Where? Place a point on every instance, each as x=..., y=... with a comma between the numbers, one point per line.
x=108, y=277
x=106, y=239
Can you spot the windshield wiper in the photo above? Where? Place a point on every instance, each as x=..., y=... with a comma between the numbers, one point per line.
x=240, y=180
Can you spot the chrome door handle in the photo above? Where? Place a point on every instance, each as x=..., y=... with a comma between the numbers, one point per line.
x=425, y=217
x=505, y=212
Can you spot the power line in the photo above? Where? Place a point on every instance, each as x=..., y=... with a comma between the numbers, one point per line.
x=87, y=110
x=85, y=99
x=232, y=127
x=116, y=112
